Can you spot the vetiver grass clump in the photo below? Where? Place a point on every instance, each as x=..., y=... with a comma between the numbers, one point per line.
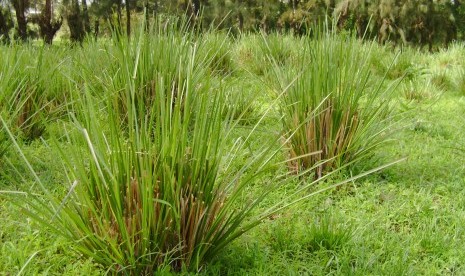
x=8, y=84
x=252, y=52
x=148, y=188
x=217, y=48
x=33, y=88
x=330, y=110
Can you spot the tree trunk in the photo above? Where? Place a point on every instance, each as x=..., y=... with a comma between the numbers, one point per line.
x=85, y=16
x=75, y=22
x=241, y=21
x=191, y=8
x=196, y=7
x=48, y=26
x=45, y=26
x=119, y=4
x=96, y=28
x=147, y=18
x=128, y=18
x=20, y=8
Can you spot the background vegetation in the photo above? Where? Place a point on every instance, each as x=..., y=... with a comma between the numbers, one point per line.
x=425, y=23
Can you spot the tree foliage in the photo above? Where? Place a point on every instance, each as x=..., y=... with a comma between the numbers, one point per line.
x=414, y=22
x=6, y=23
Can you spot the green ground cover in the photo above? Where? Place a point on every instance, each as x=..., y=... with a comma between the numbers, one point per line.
x=406, y=219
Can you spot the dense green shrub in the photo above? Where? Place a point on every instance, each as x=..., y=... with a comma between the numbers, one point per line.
x=329, y=109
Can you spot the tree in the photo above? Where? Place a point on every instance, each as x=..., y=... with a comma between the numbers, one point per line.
x=417, y=22
x=48, y=25
x=107, y=11
x=76, y=22
x=300, y=15
x=193, y=9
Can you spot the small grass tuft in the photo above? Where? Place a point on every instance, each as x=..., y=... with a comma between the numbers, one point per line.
x=327, y=234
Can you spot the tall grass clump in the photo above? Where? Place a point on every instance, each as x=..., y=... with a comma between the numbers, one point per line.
x=326, y=233
x=417, y=90
x=217, y=48
x=329, y=105
x=252, y=51
x=392, y=64
x=161, y=61
x=241, y=101
x=11, y=83
x=446, y=67
x=151, y=193
x=33, y=88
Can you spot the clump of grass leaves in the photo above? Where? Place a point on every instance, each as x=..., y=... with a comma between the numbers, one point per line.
x=154, y=186
x=326, y=233
x=32, y=90
x=330, y=105
x=15, y=106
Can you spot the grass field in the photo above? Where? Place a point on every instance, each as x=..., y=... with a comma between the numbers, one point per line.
x=406, y=219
